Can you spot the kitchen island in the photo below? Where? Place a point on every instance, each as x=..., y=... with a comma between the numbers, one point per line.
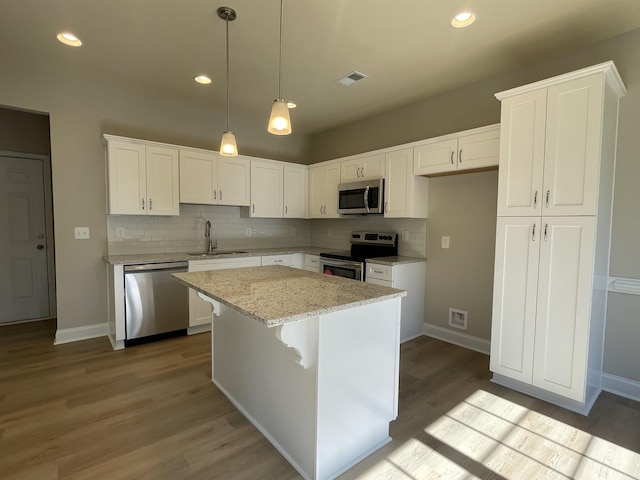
x=311, y=360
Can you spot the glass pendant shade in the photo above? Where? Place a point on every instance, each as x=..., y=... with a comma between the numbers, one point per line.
x=280, y=122
x=228, y=146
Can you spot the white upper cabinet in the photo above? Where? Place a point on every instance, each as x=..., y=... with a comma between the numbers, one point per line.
x=323, y=190
x=405, y=194
x=234, y=181
x=296, y=198
x=473, y=149
x=367, y=167
x=211, y=179
x=550, y=156
x=141, y=179
x=267, y=189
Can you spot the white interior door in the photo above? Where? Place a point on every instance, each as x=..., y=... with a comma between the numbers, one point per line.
x=24, y=284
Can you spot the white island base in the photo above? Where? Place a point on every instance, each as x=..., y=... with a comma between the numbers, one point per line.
x=322, y=390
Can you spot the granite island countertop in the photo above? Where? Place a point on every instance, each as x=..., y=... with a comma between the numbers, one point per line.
x=275, y=295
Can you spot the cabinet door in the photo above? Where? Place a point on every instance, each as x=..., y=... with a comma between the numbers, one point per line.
x=479, y=150
x=372, y=167
x=572, y=149
x=198, y=177
x=163, y=190
x=398, y=188
x=317, y=183
x=234, y=181
x=266, y=189
x=435, y=157
x=564, y=299
x=295, y=191
x=522, y=137
x=514, y=297
x=350, y=170
x=332, y=179
x=127, y=178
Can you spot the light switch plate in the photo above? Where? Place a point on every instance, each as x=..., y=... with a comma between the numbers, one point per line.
x=445, y=242
x=81, y=233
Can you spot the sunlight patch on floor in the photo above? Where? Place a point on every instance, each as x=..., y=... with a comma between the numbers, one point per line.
x=486, y=436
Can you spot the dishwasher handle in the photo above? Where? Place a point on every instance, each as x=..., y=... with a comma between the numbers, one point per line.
x=156, y=266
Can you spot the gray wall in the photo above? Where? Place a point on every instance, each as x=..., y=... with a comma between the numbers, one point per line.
x=475, y=105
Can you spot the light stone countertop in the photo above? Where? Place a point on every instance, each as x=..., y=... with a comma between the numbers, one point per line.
x=141, y=258
x=399, y=260
x=275, y=295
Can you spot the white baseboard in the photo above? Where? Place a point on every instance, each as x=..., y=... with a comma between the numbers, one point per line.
x=461, y=339
x=621, y=386
x=76, y=334
x=199, y=329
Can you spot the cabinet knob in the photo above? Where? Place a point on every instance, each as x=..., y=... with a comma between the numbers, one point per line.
x=40, y=247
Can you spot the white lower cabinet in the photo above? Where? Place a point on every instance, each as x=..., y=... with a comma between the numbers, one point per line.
x=294, y=260
x=544, y=294
x=199, y=310
x=312, y=263
x=405, y=276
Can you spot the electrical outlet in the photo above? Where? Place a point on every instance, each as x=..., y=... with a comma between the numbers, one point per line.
x=120, y=232
x=249, y=233
x=293, y=231
x=405, y=235
x=445, y=242
x=81, y=233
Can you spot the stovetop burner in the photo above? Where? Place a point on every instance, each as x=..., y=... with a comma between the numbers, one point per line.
x=368, y=245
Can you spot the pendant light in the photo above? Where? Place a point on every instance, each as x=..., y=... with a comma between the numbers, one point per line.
x=280, y=123
x=228, y=145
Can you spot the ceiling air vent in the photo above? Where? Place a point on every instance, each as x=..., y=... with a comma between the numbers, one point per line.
x=352, y=78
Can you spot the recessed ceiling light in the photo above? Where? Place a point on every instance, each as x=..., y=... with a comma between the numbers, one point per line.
x=69, y=39
x=291, y=105
x=463, y=19
x=202, y=79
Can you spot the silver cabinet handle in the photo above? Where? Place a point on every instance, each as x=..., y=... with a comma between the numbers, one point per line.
x=452, y=152
x=286, y=209
x=220, y=194
x=40, y=247
x=547, y=198
x=546, y=226
x=535, y=200
x=253, y=208
x=277, y=261
x=377, y=271
x=533, y=234
x=143, y=203
x=386, y=207
x=215, y=194
x=150, y=204
x=460, y=156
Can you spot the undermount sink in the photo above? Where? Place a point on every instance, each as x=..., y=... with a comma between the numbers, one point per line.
x=216, y=252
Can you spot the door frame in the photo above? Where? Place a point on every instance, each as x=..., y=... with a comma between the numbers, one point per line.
x=48, y=219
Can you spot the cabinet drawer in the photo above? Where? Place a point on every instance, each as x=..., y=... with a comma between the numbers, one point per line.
x=312, y=261
x=380, y=272
x=286, y=260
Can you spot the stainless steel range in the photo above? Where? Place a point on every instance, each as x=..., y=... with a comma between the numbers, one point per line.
x=351, y=263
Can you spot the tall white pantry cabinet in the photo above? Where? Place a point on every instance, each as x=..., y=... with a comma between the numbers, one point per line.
x=555, y=193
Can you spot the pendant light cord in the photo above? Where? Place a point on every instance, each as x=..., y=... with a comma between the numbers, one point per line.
x=226, y=21
x=280, y=58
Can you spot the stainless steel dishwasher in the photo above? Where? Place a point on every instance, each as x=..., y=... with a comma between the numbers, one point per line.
x=156, y=306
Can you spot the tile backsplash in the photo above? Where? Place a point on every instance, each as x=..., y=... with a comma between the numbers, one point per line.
x=133, y=234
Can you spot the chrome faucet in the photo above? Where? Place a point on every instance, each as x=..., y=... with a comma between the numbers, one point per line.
x=207, y=233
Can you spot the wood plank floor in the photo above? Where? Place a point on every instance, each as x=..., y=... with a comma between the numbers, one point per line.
x=83, y=411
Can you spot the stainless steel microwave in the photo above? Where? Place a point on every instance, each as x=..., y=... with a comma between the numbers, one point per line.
x=361, y=198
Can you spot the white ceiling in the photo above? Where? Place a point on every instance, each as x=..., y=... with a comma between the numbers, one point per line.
x=406, y=47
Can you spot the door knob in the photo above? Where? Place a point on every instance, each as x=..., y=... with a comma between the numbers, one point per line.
x=40, y=247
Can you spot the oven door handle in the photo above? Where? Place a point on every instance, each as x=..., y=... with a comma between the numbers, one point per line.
x=366, y=198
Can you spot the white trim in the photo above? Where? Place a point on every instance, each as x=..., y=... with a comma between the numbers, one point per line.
x=205, y=327
x=607, y=68
x=621, y=386
x=30, y=156
x=630, y=286
x=76, y=334
x=461, y=339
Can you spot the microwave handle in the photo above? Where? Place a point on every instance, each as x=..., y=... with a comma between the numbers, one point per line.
x=366, y=198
